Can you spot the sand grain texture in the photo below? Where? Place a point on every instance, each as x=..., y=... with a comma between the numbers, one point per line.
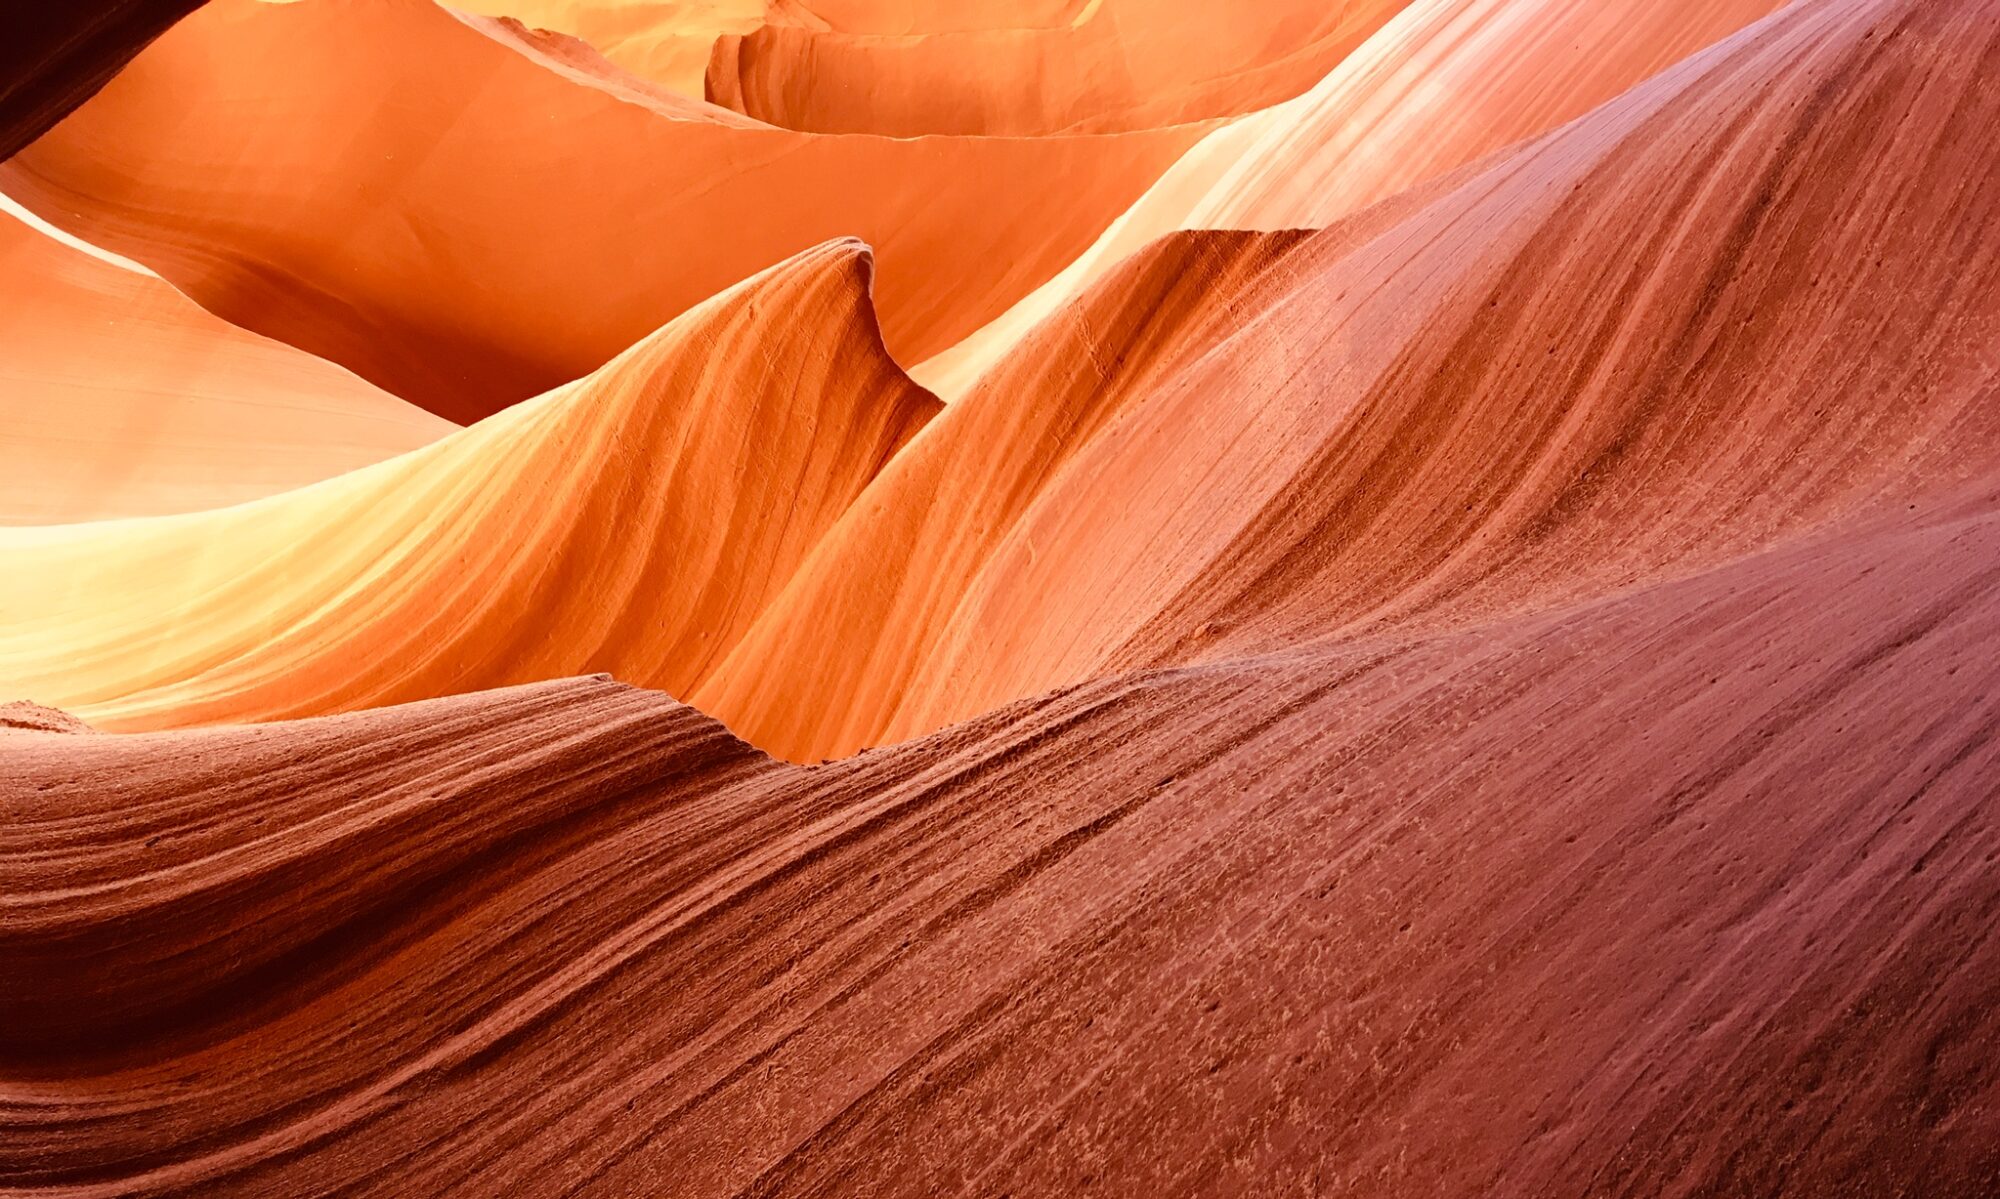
x=1540, y=907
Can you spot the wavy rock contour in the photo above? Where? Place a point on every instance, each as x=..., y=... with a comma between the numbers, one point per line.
x=1546, y=906
x=481, y=258
x=1701, y=319
x=1439, y=87
x=1117, y=65
x=633, y=522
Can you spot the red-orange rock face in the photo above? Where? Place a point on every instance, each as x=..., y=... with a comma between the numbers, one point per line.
x=876, y=597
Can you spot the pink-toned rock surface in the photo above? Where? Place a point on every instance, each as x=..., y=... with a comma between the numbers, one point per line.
x=1690, y=889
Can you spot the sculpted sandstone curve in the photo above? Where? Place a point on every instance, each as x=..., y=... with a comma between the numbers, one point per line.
x=665, y=42
x=357, y=178
x=1119, y=65
x=1441, y=86
x=1659, y=891
x=632, y=522
x=884, y=583
x=1489, y=692
x=1472, y=410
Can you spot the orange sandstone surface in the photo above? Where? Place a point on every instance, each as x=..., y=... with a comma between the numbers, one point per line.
x=912, y=67
x=1434, y=412
x=666, y=42
x=1443, y=85
x=124, y=398
x=416, y=197
x=634, y=521
x=1704, y=317
x=1115, y=65
x=1442, y=640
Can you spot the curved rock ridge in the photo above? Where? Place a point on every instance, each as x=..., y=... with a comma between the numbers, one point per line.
x=1118, y=65
x=482, y=257
x=1704, y=318
x=633, y=522
x=1442, y=85
x=579, y=61
x=1656, y=894
x=124, y=398
x=372, y=808
x=993, y=67
x=666, y=42
x=19, y=715
x=1445, y=407
x=1491, y=691
x=881, y=587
